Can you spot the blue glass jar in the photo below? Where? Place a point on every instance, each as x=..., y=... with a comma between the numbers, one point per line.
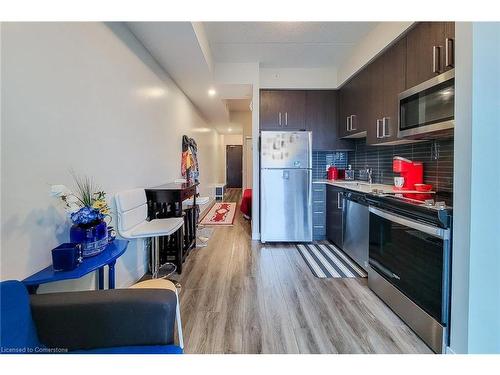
x=93, y=237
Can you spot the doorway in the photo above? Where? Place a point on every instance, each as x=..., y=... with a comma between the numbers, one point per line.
x=234, y=166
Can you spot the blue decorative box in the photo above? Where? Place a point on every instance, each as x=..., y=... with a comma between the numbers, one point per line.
x=67, y=256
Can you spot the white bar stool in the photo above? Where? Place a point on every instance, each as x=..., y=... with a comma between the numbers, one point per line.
x=132, y=209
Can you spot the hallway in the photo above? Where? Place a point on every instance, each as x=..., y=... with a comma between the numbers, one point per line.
x=240, y=296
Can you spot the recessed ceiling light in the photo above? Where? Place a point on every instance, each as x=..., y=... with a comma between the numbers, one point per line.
x=211, y=92
x=229, y=130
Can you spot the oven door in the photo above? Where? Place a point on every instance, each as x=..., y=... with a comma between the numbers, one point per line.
x=413, y=257
x=428, y=109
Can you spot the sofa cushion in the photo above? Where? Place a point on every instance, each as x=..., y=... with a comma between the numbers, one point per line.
x=18, y=332
x=154, y=349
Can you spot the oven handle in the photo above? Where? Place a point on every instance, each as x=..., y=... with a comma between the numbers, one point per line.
x=376, y=265
x=443, y=234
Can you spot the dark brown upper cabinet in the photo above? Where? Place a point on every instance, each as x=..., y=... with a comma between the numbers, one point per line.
x=353, y=119
x=322, y=119
x=282, y=109
x=430, y=51
x=345, y=94
x=388, y=76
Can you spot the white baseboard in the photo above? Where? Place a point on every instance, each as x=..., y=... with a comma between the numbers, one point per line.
x=205, y=208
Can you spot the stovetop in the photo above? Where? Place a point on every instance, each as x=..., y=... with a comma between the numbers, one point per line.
x=437, y=209
x=440, y=201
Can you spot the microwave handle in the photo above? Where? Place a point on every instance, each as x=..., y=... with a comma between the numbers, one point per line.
x=443, y=234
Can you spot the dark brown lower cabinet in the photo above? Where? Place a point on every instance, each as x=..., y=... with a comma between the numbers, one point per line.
x=335, y=214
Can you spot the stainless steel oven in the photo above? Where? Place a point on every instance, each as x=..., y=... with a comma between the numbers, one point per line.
x=426, y=111
x=410, y=260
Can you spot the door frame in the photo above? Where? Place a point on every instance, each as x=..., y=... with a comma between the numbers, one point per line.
x=247, y=158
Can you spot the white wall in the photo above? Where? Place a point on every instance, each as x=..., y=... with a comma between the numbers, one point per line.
x=475, y=310
x=462, y=189
x=256, y=159
x=247, y=73
x=244, y=119
x=297, y=78
x=88, y=97
x=484, y=287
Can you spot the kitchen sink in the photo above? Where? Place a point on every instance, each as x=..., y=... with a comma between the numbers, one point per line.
x=361, y=184
x=357, y=183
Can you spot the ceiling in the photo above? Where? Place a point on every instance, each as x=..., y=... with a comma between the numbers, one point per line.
x=238, y=105
x=190, y=52
x=177, y=48
x=285, y=44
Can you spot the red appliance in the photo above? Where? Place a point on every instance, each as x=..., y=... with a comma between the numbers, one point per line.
x=333, y=173
x=341, y=174
x=411, y=171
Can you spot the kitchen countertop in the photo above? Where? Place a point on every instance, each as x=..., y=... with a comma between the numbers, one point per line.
x=365, y=187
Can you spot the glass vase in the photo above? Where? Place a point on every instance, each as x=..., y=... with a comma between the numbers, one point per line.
x=93, y=237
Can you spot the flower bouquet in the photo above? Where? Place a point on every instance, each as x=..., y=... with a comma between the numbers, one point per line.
x=87, y=209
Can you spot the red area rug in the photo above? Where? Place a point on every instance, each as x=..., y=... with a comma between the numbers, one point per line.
x=220, y=214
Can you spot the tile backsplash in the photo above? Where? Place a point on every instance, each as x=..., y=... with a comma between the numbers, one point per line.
x=437, y=157
x=320, y=159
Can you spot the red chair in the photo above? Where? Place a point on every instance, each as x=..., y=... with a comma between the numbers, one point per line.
x=246, y=204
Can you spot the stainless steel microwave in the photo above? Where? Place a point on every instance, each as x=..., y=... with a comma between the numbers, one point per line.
x=427, y=111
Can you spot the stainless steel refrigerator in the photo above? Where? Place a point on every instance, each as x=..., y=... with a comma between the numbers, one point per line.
x=286, y=186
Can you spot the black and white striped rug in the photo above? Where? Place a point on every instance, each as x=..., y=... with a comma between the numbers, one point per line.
x=327, y=261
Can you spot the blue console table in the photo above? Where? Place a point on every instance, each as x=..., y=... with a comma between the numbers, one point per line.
x=107, y=258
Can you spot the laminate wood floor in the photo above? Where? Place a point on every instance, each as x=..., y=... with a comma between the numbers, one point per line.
x=240, y=296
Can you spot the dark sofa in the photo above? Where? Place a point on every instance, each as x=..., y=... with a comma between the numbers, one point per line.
x=135, y=321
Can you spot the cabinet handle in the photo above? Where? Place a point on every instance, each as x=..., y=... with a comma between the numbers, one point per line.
x=279, y=119
x=435, y=59
x=286, y=118
x=347, y=123
x=385, y=125
x=449, y=52
x=338, y=200
x=378, y=129
x=353, y=117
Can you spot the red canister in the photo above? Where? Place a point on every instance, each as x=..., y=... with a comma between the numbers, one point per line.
x=333, y=173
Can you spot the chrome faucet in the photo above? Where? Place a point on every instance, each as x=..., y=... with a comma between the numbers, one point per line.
x=369, y=175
